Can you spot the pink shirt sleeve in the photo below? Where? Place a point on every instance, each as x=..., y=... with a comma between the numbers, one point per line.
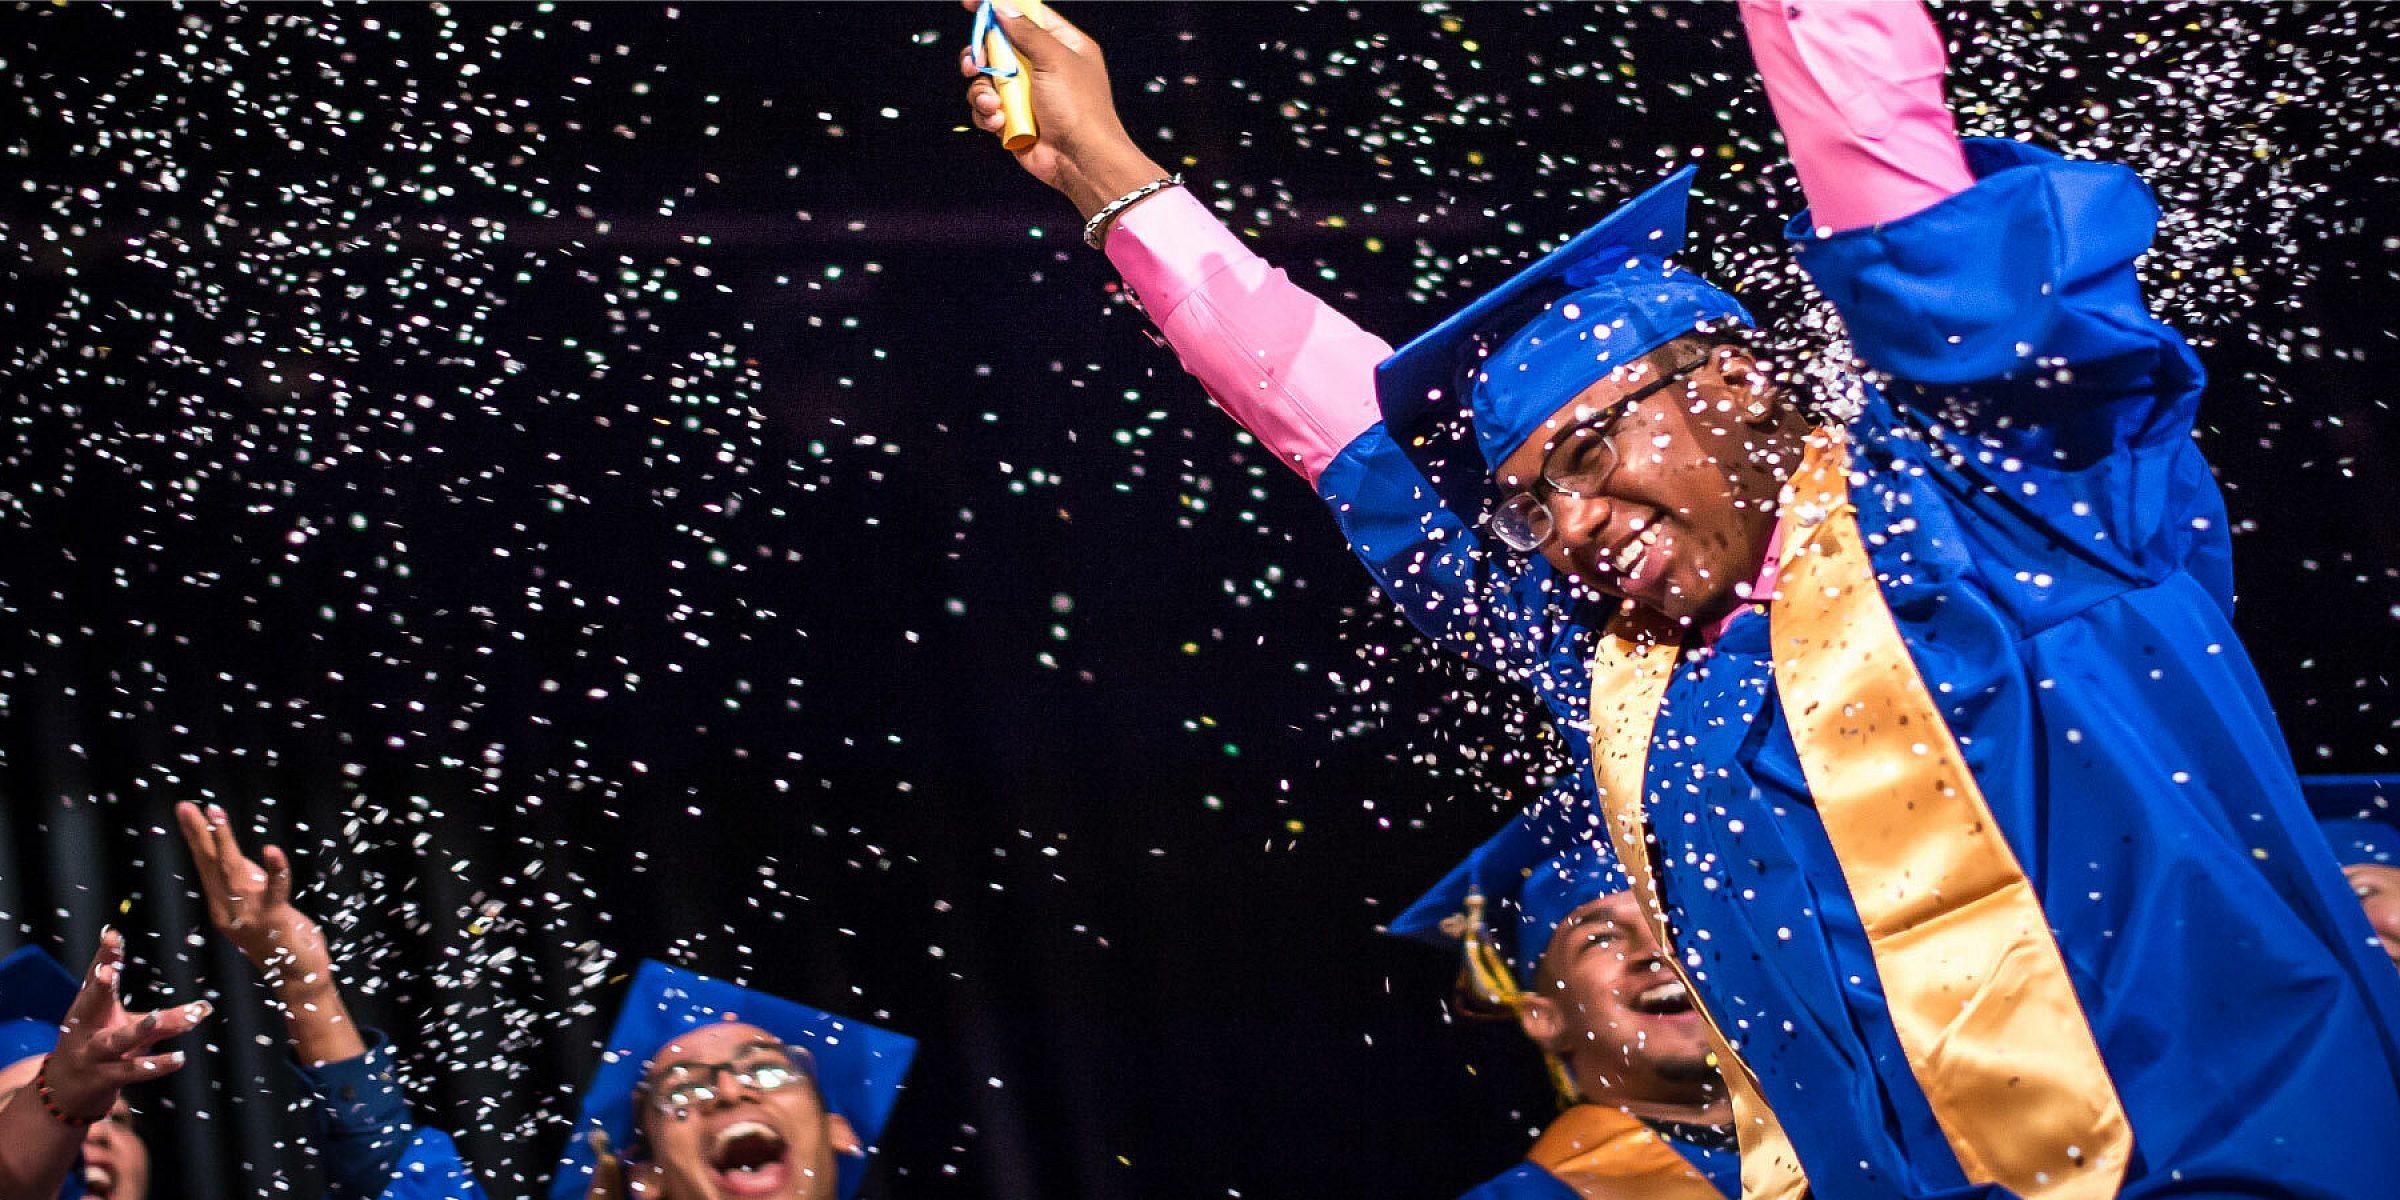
x=1857, y=89
x=1298, y=375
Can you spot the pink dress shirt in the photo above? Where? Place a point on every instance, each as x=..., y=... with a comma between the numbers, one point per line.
x=1856, y=86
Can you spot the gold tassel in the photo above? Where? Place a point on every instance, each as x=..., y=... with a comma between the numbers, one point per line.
x=1488, y=990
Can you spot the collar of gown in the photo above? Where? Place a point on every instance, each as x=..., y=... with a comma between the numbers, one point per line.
x=1761, y=589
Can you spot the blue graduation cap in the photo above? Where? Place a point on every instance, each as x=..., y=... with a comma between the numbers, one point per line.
x=1607, y=297
x=1549, y=860
x=858, y=1066
x=35, y=993
x=2360, y=815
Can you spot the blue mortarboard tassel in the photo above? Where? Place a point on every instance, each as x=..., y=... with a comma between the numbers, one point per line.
x=858, y=1066
x=1523, y=349
x=2360, y=815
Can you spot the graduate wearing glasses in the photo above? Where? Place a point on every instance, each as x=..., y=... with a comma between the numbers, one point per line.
x=709, y=1091
x=1914, y=714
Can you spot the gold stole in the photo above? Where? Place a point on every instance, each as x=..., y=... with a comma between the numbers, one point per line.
x=1617, y=1156
x=1977, y=989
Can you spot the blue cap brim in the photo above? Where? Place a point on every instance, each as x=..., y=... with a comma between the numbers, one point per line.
x=1432, y=370
x=2359, y=815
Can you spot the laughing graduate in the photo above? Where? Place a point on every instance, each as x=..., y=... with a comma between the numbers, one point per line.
x=1550, y=937
x=708, y=1091
x=1922, y=735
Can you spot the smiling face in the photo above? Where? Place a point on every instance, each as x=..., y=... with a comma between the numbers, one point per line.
x=2378, y=891
x=766, y=1139
x=1687, y=511
x=1606, y=1001
x=116, y=1162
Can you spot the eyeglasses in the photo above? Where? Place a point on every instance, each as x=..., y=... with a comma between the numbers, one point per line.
x=762, y=1067
x=1578, y=463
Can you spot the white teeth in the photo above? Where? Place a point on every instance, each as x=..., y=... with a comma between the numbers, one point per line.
x=1636, y=550
x=1665, y=993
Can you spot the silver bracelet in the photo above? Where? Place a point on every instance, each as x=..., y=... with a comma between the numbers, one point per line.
x=1108, y=212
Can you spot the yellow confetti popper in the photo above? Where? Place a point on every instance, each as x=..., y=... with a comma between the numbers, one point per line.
x=995, y=57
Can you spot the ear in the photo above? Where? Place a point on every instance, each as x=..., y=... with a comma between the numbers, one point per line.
x=844, y=1138
x=1539, y=1016
x=1757, y=401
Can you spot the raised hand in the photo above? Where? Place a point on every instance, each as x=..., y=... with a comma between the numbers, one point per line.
x=1084, y=151
x=102, y=1047
x=250, y=903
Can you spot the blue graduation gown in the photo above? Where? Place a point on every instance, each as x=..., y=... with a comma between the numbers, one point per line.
x=372, y=1147
x=1529, y=1181
x=2055, y=552
x=431, y=1169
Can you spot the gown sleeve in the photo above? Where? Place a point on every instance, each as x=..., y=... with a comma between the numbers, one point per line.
x=1995, y=282
x=1301, y=378
x=360, y=1122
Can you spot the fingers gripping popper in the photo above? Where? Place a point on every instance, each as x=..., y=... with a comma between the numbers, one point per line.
x=995, y=57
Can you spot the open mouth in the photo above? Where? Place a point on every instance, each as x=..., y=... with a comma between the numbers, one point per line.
x=748, y=1158
x=99, y=1182
x=1632, y=560
x=1668, y=999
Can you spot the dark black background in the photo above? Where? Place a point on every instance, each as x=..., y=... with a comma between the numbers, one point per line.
x=1049, y=722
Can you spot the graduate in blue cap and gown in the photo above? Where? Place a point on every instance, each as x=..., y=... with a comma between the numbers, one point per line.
x=710, y=1091
x=68, y=1049
x=359, y=1121
x=2360, y=817
x=1914, y=711
x=1550, y=937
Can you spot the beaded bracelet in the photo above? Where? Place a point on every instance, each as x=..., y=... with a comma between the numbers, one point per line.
x=41, y=1085
x=1093, y=228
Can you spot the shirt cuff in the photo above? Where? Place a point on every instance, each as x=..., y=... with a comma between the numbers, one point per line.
x=360, y=1116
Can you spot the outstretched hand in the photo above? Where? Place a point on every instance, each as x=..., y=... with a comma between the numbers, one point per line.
x=250, y=903
x=1083, y=151
x=102, y=1047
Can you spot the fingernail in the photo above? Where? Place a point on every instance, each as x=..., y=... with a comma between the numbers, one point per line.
x=199, y=1010
x=175, y=1058
x=1006, y=9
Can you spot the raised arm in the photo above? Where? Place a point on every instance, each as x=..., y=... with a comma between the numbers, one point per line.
x=359, y=1118
x=1996, y=281
x=1857, y=89
x=47, y=1102
x=1294, y=372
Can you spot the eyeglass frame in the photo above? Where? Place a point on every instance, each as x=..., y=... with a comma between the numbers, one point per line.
x=800, y=1061
x=1532, y=496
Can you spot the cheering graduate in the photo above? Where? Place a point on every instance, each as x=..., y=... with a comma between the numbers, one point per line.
x=708, y=1091
x=1917, y=721
x=2360, y=816
x=1552, y=939
x=67, y=1053
x=359, y=1119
